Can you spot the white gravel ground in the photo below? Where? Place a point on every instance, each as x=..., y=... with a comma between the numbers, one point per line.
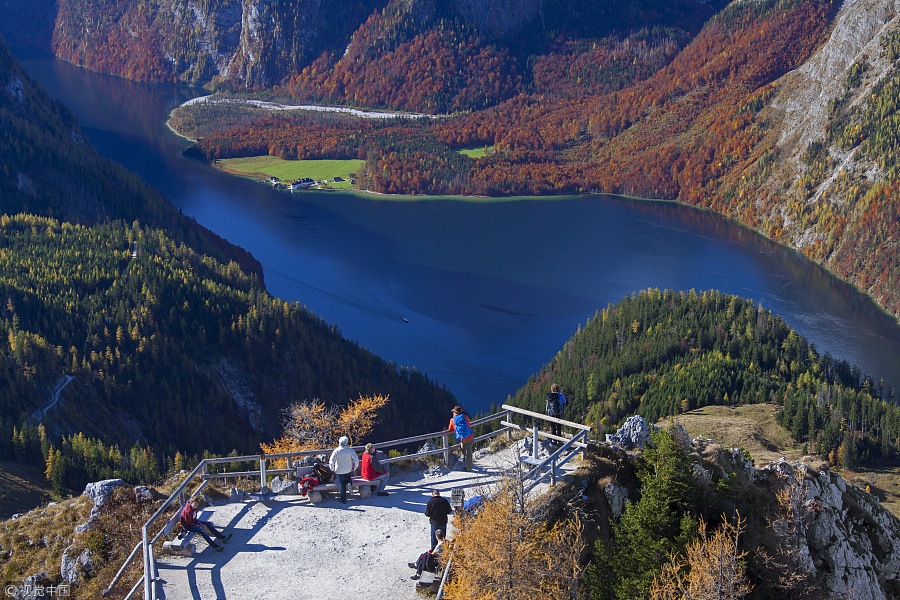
x=285, y=547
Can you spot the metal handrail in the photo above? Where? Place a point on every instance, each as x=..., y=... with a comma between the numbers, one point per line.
x=202, y=471
x=444, y=577
x=537, y=473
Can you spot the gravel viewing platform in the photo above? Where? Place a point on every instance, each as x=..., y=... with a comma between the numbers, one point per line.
x=285, y=547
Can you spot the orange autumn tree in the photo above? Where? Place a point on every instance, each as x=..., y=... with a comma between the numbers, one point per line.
x=505, y=553
x=713, y=568
x=312, y=425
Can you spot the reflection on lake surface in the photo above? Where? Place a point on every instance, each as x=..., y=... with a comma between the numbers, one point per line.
x=478, y=295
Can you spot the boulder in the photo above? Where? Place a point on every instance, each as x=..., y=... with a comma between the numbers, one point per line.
x=283, y=486
x=143, y=493
x=32, y=587
x=72, y=568
x=617, y=497
x=633, y=433
x=99, y=491
x=237, y=495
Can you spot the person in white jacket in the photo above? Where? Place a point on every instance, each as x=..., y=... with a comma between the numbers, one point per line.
x=343, y=462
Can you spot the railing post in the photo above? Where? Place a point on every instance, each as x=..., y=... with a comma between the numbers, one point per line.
x=263, y=488
x=534, y=443
x=446, y=438
x=553, y=472
x=152, y=576
x=145, y=536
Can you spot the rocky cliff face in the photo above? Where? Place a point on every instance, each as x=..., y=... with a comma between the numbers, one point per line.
x=813, y=191
x=837, y=536
x=254, y=43
x=851, y=542
x=250, y=43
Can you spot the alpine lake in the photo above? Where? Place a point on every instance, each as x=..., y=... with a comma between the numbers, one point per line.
x=477, y=293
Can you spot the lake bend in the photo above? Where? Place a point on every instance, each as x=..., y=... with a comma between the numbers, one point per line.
x=478, y=294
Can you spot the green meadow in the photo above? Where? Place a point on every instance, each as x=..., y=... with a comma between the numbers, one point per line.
x=476, y=152
x=288, y=170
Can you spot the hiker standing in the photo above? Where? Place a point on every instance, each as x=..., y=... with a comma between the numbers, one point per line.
x=190, y=522
x=464, y=434
x=437, y=510
x=372, y=470
x=556, y=401
x=343, y=462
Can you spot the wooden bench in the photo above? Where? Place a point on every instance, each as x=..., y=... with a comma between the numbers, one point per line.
x=364, y=487
x=430, y=581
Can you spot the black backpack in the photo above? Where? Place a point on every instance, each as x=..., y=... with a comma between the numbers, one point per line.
x=553, y=404
x=323, y=473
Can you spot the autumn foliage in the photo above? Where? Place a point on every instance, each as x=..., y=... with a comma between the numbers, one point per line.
x=712, y=568
x=314, y=425
x=504, y=553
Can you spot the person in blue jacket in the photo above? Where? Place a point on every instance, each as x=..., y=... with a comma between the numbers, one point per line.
x=556, y=401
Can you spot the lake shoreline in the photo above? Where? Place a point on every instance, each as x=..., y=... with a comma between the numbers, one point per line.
x=371, y=194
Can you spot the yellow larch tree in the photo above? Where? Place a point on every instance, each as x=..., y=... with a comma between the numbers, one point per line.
x=504, y=553
x=712, y=568
x=312, y=425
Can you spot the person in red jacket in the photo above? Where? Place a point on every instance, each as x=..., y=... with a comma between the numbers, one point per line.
x=372, y=470
x=190, y=522
x=464, y=434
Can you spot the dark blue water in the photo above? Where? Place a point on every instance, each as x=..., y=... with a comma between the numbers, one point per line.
x=478, y=295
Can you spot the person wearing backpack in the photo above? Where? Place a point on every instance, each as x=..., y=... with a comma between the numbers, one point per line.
x=460, y=424
x=556, y=401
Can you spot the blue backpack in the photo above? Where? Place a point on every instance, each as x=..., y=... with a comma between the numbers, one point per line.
x=462, y=428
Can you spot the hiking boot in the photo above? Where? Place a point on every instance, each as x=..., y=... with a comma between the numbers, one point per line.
x=226, y=537
x=412, y=565
x=413, y=577
x=382, y=494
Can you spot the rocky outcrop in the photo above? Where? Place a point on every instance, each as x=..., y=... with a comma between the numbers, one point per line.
x=617, y=497
x=633, y=433
x=237, y=385
x=74, y=568
x=98, y=492
x=851, y=542
x=34, y=586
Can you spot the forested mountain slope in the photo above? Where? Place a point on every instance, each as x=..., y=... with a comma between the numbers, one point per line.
x=261, y=43
x=172, y=345
x=50, y=169
x=662, y=353
x=169, y=348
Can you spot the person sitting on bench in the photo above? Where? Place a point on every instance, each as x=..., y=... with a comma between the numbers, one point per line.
x=190, y=522
x=371, y=470
x=428, y=560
